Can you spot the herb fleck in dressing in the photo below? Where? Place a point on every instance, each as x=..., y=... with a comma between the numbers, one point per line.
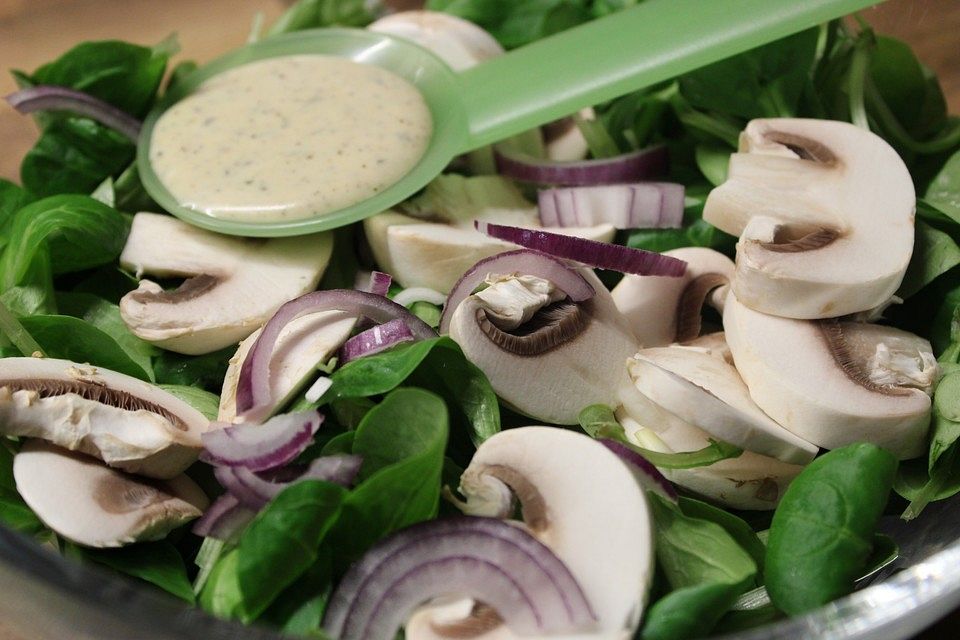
x=290, y=137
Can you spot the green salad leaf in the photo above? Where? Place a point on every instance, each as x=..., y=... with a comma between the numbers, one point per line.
x=203, y=401
x=158, y=563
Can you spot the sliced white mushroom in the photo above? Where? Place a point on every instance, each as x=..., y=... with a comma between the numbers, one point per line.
x=708, y=393
x=91, y=504
x=563, y=140
x=577, y=497
x=569, y=356
x=302, y=345
x=833, y=382
x=825, y=214
x=435, y=255
x=663, y=310
x=713, y=344
x=233, y=285
x=750, y=481
x=458, y=42
x=127, y=423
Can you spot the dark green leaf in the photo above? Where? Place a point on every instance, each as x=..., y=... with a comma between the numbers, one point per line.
x=429, y=313
x=313, y=14
x=898, y=76
x=205, y=372
x=402, y=441
x=299, y=609
x=123, y=74
x=106, y=316
x=203, y=401
x=341, y=273
x=739, y=530
x=712, y=160
x=822, y=531
x=934, y=254
x=74, y=155
x=690, y=612
x=944, y=191
x=283, y=542
x=12, y=199
x=73, y=339
x=155, y=562
x=221, y=594
x=80, y=232
x=380, y=372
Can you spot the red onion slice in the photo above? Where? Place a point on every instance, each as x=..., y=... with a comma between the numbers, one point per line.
x=224, y=519
x=644, y=164
x=53, y=98
x=375, y=340
x=379, y=283
x=520, y=261
x=253, y=388
x=645, y=205
x=601, y=255
x=259, y=447
x=487, y=559
x=254, y=491
x=643, y=470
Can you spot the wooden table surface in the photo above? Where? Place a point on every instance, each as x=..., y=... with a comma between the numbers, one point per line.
x=35, y=31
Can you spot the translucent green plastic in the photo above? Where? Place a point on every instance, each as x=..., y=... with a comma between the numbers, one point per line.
x=528, y=87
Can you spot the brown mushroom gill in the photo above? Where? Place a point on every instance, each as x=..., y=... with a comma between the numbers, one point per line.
x=122, y=494
x=189, y=289
x=791, y=239
x=94, y=391
x=806, y=148
x=531, y=501
x=551, y=327
x=690, y=305
x=851, y=361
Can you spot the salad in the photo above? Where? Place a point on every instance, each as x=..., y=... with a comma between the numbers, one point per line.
x=655, y=370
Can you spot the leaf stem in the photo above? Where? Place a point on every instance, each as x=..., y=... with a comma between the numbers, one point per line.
x=15, y=332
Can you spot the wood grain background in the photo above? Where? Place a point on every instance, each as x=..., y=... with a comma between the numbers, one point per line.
x=35, y=31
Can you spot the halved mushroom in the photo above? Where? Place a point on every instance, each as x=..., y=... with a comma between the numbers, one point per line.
x=576, y=497
x=93, y=505
x=233, y=285
x=458, y=42
x=750, y=481
x=127, y=423
x=435, y=255
x=825, y=213
x=567, y=356
x=833, y=382
x=664, y=310
x=706, y=392
x=302, y=345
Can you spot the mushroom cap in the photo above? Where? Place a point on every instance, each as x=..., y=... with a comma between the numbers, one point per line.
x=750, y=481
x=93, y=505
x=234, y=284
x=126, y=422
x=818, y=392
x=583, y=502
x=303, y=344
x=652, y=303
x=458, y=42
x=708, y=393
x=435, y=255
x=556, y=385
x=840, y=188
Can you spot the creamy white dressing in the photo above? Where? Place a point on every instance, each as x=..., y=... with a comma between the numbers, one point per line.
x=290, y=137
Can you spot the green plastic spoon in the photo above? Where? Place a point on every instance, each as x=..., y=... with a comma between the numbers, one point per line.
x=528, y=87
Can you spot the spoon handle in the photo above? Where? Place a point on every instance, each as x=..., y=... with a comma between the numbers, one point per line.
x=609, y=57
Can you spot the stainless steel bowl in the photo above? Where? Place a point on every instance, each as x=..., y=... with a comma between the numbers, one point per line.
x=47, y=597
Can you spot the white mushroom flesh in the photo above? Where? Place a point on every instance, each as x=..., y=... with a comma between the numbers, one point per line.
x=233, y=286
x=825, y=215
x=93, y=505
x=458, y=42
x=511, y=301
x=127, y=423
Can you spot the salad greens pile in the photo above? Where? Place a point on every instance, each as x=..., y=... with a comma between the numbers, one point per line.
x=417, y=411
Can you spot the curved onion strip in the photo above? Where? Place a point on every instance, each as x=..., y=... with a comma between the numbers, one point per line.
x=645, y=205
x=53, y=98
x=254, y=491
x=253, y=388
x=487, y=559
x=375, y=339
x=644, y=164
x=419, y=294
x=520, y=261
x=643, y=470
x=259, y=447
x=379, y=283
x=601, y=255
x=224, y=519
